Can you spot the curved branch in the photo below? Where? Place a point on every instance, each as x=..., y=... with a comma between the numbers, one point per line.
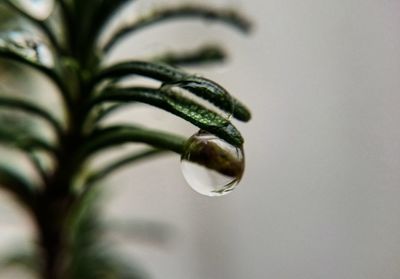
x=229, y=17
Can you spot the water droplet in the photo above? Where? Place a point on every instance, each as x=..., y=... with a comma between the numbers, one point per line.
x=40, y=9
x=203, y=92
x=28, y=46
x=210, y=165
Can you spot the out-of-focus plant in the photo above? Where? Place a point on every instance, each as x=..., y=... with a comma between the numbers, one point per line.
x=65, y=47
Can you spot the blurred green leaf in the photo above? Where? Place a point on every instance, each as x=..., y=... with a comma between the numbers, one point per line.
x=24, y=141
x=31, y=108
x=229, y=17
x=203, y=55
x=65, y=49
x=17, y=185
x=116, y=135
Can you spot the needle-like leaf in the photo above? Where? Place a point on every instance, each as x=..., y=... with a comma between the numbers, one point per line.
x=31, y=108
x=116, y=135
x=176, y=104
x=229, y=17
x=201, y=87
x=203, y=55
x=25, y=142
x=17, y=185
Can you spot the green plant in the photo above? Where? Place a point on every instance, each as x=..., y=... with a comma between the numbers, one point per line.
x=90, y=91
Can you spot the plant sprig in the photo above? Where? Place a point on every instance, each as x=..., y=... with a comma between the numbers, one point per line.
x=90, y=91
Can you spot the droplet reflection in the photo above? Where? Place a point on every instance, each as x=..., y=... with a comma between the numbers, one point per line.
x=210, y=165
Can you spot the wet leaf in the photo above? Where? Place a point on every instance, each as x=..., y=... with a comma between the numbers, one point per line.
x=201, y=87
x=178, y=105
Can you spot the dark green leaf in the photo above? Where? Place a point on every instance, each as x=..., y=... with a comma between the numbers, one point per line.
x=116, y=135
x=216, y=95
x=40, y=169
x=229, y=17
x=157, y=71
x=201, y=87
x=105, y=12
x=27, y=143
x=33, y=109
x=178, y=105
x=24, y=142
x=204, y=55
x=17, y=185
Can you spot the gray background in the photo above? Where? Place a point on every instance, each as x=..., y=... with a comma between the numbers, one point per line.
x=320, y=196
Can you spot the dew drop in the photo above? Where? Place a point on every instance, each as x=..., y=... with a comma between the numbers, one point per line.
x=28, y=46
x=40, y=9
x=204, y=93
x=210, y=165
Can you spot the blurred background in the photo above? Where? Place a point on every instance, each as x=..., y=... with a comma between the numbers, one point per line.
x=320, y=196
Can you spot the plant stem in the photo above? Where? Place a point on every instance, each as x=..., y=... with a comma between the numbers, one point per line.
x=57, y=201
x=51, y=221
x=52, y=212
